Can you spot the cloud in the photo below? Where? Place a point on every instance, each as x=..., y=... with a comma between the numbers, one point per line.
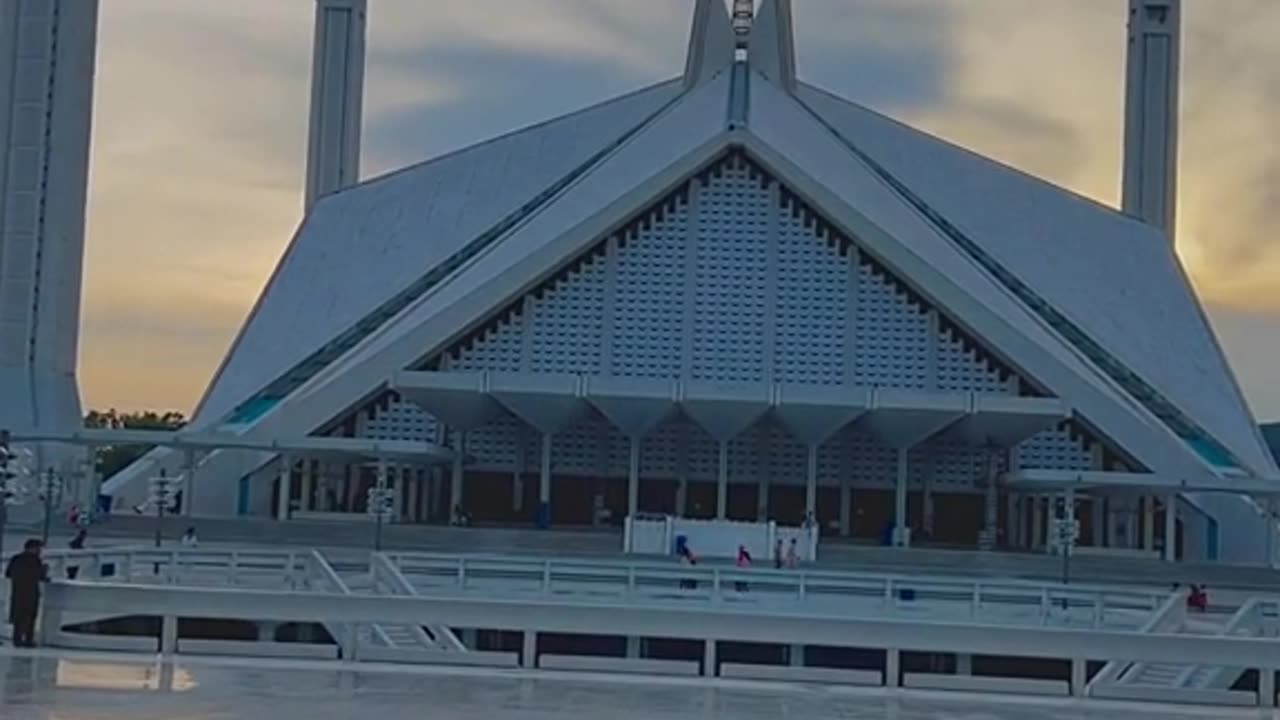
x=200, y=130
x=1042, y=89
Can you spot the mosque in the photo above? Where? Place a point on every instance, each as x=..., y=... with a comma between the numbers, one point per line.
x=733, y=294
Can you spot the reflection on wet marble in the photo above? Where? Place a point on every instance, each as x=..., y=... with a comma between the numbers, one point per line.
x=74, y=686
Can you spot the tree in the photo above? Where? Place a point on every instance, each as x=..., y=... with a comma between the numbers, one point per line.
x=111, y=459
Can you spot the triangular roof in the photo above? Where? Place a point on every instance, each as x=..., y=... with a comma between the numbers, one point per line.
x=363, y=293
x=1112, y=276
x=359, y=247
x=793, y=144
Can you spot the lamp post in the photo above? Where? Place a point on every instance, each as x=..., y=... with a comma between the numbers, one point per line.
x=50, y=496
x=1066, y=531
x=15, y=470
x=161, y=495
x=379, y=504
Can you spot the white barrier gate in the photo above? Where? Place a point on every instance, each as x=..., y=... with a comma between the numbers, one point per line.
x=656, y=535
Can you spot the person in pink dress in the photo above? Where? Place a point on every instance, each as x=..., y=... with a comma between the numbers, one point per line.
x=743, y=562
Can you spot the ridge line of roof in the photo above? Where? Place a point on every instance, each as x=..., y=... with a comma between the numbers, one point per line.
x=1038, y=304
x=1099, y=204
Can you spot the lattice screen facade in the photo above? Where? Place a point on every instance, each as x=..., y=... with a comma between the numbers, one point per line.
x=731, y=278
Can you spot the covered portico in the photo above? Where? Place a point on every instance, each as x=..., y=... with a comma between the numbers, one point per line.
x=305, y=456
x=1132, y=512
x=901, y=419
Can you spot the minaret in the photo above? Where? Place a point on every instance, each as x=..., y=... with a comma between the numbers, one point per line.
x=773, y=48
x=711, y=42
x=337, y=93
x=1151, y=112
x=47, y=57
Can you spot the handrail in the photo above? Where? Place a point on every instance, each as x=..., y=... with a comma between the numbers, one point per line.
x=319, y=566
x=1248, y=619
x=1172, y=612
x=696, y=623
x=714, y=584
x=817, y=576
x=385, y=572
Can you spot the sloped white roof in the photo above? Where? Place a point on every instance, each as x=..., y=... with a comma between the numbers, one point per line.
x=361, y=246
x=674, y=135
x=785, y=127
x=1111, y=275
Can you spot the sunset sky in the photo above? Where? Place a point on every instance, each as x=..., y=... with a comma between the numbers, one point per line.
x=201, y=114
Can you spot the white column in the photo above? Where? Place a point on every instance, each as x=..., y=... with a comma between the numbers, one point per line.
x=926, y=501
x=189, y=486
x=517, y=474
x=396, y=489
x=722, y=482
x=282, y=499
x=764, y=467
x=409, y=477
x=1149, y=522
x=846, y=504
x=455, y=481
x=1011, y=519
x=901, y=533
x=1098, y=519
x=1037, y=522
x=1113, y=520
x=682, y=473
x=544, y=474
x=811, y=484
x=304, y=504
x=1171, y=528
x=633, y=478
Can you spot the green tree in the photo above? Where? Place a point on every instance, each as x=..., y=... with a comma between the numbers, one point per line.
x=111, y=459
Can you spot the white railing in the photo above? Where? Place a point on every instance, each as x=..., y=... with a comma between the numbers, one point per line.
x=855, y=594
x=706, y=624
x=1259, y=617
x=268, y=568
x=388, y=580
x=323, y=578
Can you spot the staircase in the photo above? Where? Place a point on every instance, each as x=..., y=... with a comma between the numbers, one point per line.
x=351, y=578
x=1139, y=680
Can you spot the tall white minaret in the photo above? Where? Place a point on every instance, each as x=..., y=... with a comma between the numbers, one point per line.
x=1151, y=112
x=337, y=98
x=773, y=45
x=47, y=60
x=711, y=42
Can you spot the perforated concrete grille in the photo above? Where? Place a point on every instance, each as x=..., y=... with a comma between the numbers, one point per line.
x=813, y=303
x=731, y=253
x=756, y=264
x=398, y=420
x=648, y=327
x=1053, y=449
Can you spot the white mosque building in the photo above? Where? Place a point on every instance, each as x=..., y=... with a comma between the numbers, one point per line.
x=733, y=294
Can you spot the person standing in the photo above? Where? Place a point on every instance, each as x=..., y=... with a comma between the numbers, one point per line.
x=77, y=543
x=25, y=573
x=743, y=563
x=793, y=555
x=777, y=555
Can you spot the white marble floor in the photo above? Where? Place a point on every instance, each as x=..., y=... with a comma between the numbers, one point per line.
x=49, y=685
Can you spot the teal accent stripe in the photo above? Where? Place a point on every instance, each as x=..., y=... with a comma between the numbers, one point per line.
x=1199, y=440
x=277, y=390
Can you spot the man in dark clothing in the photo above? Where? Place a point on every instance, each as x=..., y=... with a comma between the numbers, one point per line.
x=25, y=573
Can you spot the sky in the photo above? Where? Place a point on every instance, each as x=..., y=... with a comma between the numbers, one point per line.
x=201, y=117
